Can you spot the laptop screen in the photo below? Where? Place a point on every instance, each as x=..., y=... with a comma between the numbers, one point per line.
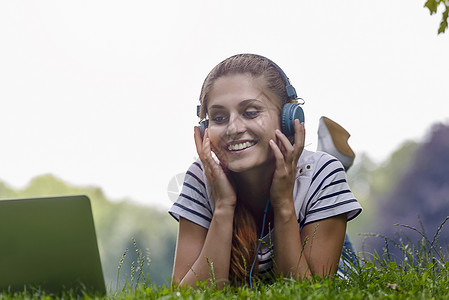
x=49, y=243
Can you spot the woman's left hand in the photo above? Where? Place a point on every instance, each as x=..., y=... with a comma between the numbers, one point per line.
x=286, y=156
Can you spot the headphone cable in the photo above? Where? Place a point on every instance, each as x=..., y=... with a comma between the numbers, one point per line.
x=260, y=242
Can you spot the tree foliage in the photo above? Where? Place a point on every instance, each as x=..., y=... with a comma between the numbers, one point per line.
x=420, y=197
x=433, y=5
x=371, y=182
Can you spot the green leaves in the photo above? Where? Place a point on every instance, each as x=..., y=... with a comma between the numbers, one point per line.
x=433, y=5
x=443, y=24
x=392, y=265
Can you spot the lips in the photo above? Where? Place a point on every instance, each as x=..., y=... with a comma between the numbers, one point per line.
x=241, y=145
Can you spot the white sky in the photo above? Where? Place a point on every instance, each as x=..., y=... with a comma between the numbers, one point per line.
x=104, y=93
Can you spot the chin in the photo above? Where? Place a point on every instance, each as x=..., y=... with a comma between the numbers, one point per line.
x=246, y=165
x=238, y=168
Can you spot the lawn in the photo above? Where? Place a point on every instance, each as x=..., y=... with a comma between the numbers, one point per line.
x=377, y=279
x=421, y=273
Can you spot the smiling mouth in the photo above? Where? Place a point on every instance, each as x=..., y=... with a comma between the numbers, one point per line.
x=241, y=146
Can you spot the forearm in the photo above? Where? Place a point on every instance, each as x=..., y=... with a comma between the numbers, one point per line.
x=288, y=250
x=216, y=252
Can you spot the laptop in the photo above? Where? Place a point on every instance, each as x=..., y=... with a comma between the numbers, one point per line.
x=49, y=244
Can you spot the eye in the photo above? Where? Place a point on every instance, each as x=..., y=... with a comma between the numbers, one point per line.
x=218, y=119
x=251, y=114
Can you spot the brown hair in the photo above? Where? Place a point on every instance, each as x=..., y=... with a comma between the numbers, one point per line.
x=244, y=238
x=244, y=246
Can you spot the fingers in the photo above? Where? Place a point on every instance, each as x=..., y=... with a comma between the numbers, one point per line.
x=203, y=147
x=285, y=146
x=221, y=185
x=279, y=157
x=198, y=139
x=300, y=136
x=285, y=150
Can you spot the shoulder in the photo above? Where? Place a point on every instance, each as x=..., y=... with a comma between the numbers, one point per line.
x=193, y=202
x=195, y=179
x=313, y=164
x=196, y=168
x=322, y=188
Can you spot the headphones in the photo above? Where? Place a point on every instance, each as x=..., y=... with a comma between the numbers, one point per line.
x=290, y=111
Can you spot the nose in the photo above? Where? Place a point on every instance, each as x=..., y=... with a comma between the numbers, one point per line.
x=236, y=126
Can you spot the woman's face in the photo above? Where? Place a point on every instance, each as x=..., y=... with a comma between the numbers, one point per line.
x=243, y=118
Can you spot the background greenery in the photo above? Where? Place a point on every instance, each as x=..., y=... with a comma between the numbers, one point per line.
x=410, y=188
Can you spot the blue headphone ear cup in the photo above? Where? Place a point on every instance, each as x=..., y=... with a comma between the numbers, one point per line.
x=290, y=112
x=203, y=125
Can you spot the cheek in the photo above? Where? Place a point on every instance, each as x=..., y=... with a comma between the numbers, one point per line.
x=267, y=126
x=216, y=139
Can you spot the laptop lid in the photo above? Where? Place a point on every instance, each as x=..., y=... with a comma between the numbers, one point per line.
x=51, y=243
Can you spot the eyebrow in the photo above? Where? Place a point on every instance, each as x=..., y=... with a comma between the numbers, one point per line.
x=241, y=104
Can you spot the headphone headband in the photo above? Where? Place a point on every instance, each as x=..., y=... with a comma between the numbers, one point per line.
x=291, y=91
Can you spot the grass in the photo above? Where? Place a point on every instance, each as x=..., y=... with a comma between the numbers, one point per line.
x=422, y=273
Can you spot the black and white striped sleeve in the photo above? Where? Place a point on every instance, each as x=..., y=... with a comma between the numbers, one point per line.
x=329, y=193
x=193, y=201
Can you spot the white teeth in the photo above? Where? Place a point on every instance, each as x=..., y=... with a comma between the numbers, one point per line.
x=240, y=146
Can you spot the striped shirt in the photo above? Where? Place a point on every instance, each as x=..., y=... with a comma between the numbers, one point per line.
x=321, y=191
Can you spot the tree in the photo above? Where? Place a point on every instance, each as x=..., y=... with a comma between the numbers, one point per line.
x=420, y=197
x=433, y=5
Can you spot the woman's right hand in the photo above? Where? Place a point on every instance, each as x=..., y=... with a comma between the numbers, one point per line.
x=221, y=186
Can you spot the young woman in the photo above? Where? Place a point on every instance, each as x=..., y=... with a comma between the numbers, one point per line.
x=251, y=180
